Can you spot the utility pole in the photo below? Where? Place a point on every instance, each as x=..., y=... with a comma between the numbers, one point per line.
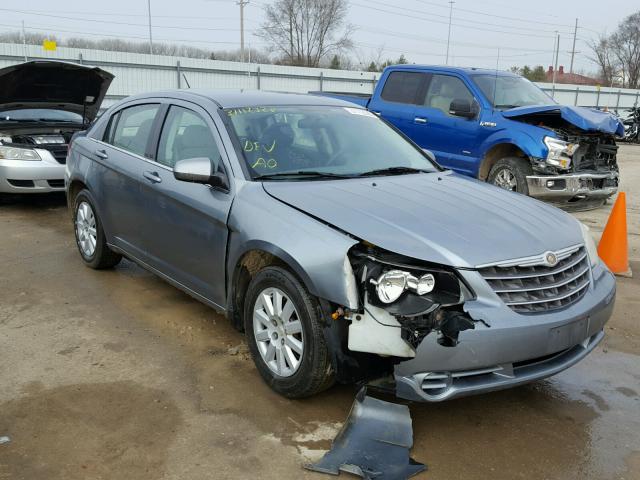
x=451, y=2
x=24, y=42
x=150, y=35
x=555, y=66
x=242, y=3
x=573, y=49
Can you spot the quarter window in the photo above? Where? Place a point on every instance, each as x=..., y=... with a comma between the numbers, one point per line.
x=402, y=87
x=133, y=128
x=186, y=135
x=444, y=89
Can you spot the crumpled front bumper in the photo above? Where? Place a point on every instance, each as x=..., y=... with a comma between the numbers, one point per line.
x=572, y=187
x=515, y=349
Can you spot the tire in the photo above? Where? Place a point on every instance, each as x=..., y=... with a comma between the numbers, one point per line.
x=93, y=248
x=511, y=173
x=269, y=337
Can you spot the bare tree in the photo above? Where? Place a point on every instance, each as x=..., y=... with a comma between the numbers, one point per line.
x=303, y=32
x=626, y=45
x=605, y=58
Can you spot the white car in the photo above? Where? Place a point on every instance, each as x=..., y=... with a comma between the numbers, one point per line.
x=42, y=105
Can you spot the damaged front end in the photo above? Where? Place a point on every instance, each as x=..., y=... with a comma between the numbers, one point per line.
x=580, y=168
x=400, y=302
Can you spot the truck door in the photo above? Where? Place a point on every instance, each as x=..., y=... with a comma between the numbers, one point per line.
x=454, y=140
x=397, y=101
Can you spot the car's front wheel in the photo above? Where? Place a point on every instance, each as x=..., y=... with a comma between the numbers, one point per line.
x=511, y=174
x=284, y=334
x=90, y=237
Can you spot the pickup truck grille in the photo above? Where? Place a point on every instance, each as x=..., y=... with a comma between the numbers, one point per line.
x=533, y=286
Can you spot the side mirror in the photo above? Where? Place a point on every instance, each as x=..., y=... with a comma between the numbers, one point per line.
x=463, y=108
x=198, y=170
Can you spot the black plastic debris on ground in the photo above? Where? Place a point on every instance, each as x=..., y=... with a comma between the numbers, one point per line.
x=374, y=442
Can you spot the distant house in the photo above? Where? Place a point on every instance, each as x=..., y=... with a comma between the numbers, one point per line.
x=573, y=78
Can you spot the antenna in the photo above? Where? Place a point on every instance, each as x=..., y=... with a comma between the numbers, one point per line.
x=495, y=82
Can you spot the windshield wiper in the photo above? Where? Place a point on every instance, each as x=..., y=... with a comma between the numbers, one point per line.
x=507, y=107
x=301, y=173
x=394, y=171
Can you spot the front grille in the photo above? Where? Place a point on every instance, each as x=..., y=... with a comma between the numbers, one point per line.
x=538, y=288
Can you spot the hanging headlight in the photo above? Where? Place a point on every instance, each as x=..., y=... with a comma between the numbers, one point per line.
x=393, y=283
x=560, y=152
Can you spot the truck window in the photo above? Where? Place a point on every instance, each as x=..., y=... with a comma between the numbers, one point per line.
x=443, y=90
x=402, y=87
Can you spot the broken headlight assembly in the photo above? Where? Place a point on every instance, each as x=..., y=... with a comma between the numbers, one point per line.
x=418, y=298
x=13, y=153
x=560, y=152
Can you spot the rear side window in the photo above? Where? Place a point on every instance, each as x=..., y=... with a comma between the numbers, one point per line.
x=403, y=87
x=186, y=135
x=132, y=128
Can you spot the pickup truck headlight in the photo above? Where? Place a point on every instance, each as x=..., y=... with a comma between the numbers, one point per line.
x=560, y=152
x=13, y=153
x=590, y=245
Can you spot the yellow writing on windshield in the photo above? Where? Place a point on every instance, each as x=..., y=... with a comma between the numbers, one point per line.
x=256, y=146
x=265, y=163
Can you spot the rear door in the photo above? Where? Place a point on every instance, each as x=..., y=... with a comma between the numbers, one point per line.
x=124, y=154
x=454, y=140
x=397, y=101
x=187, y=235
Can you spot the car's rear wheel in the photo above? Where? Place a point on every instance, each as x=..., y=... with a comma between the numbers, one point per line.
x=285, y=336
x=511, y=173
x=90, y=236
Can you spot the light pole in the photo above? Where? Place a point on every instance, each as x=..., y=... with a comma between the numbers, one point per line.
x=451, y=2
x=242, y=3
x=150, y=35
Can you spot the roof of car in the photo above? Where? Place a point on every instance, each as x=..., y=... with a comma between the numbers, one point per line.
x=250, y=98
x=460, y=70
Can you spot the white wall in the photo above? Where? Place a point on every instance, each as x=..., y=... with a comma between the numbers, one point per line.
x=136, y=73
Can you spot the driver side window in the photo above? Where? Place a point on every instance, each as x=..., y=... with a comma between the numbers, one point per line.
x=185, y=134
x=443, y=90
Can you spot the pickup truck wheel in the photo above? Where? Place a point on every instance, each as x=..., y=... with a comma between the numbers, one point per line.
x=285, y=335
x=511, y=173
x=90, y=238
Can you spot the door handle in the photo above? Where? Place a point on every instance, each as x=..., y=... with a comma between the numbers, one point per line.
x=153, y=177
x=420, y=120
x=101, y=154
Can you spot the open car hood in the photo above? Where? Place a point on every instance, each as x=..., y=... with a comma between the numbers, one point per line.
x=440, y=217
x=54, y=85
x=587, y=119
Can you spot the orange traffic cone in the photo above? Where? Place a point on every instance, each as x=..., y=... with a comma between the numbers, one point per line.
x=613, y=248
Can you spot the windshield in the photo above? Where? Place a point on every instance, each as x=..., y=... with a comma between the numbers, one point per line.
x=40, y=114
x=511, y=92
x=321, y=141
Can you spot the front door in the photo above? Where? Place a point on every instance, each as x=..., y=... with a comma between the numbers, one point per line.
x=454, y=140
x=187, y=237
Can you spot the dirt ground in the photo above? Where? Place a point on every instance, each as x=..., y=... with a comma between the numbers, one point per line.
x=117, y=375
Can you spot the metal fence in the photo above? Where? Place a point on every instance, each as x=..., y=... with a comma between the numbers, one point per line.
x=136, y=73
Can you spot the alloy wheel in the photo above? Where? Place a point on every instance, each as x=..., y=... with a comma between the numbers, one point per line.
x=506, y=179
x=277, y=328
x=86, y=229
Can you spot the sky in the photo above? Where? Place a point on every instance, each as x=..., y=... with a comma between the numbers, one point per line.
x=484, y=33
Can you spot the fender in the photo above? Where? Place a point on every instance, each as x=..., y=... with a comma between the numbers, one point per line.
x=528, y=139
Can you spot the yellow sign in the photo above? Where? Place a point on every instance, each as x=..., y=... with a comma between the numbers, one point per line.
x=49, y=45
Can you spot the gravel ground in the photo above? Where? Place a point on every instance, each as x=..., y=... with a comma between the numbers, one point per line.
x=117, y=375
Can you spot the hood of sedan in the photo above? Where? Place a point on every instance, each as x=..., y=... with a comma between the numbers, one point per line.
x=587, y=119
x=55, y=85
x=436, y=217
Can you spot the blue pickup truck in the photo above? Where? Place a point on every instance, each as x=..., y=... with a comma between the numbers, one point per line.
x=499, y=127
